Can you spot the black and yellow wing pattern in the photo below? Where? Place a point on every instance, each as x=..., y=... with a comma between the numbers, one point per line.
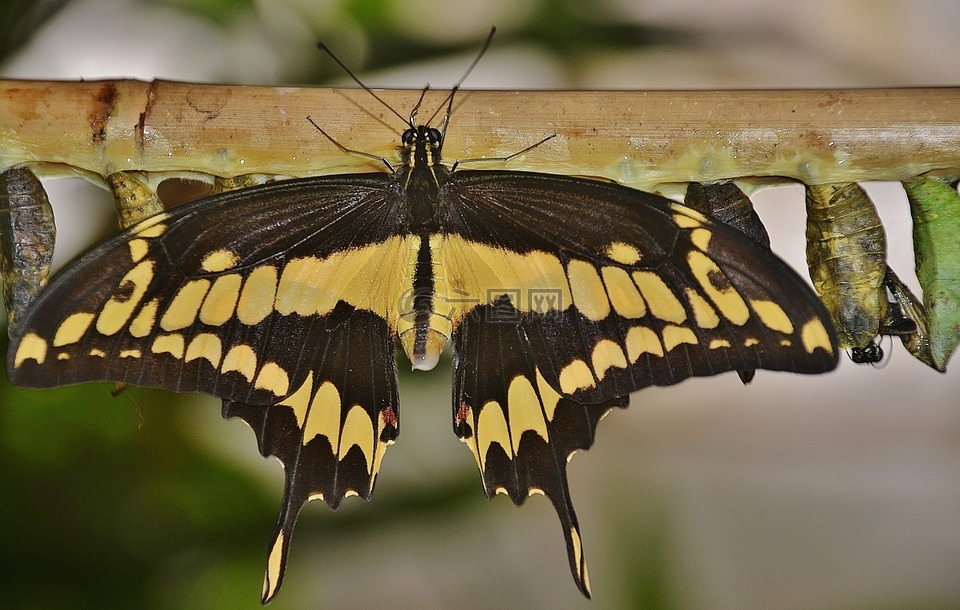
x=560, y=296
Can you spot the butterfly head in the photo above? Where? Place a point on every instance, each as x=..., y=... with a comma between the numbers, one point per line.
x=421, y=146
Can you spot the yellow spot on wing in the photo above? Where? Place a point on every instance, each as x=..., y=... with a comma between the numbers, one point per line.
x=587, y=290
x=118, y=309
x=143, y=323
x=685, y=222
x=274, y=567
x=145, y=224
x=772, y=316
x=492, y=428
x=221, y=301
x=578, y=558
x=575, y=376
x=525, y=413
x=663, y=303
x=207, y=346
x=716, y=286
x=219, y=260
x=373, y=278
x=153, y=231
x=130, y=353
x=704, y=315
x=98, y=353
x=138, y=249
x=701, y=238
x=183, y=310
x=642, y=340
x=256, y=299
x=688, y=212
x=607, y=354
x=814, y=335
x=242, y=359
x=307, y=286
x=549, y=396
x=623, y=293
x=750, y=342
x=323, y=419
x=272, y=377
x=73, y=328
x=358, y=431
x=300, y=400
x=474, y=271
x=717, y=343
x=622, y=253
x=675, y=335
x=32, y=347
x=168, y=344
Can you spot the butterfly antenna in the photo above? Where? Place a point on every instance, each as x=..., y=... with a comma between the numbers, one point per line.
x=416, y=107
x=352, y=151
x=344, y=67
x=456, y=87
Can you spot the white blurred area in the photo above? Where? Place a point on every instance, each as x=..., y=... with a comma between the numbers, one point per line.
x=838, y=491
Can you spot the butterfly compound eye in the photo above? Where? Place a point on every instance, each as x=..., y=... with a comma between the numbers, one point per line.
x=408, y=137
x=433, y=136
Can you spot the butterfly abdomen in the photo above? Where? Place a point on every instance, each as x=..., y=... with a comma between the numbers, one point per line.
x=424, y=339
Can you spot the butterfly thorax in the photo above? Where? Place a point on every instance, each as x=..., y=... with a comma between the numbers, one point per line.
x=421, y=177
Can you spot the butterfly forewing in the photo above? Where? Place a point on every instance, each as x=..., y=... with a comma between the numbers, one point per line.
x=641, y=288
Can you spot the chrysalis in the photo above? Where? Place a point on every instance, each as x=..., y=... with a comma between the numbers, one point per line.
x=935, y=207
x=846, y=255
x=27, y=234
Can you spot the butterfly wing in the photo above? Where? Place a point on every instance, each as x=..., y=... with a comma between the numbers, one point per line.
x=520, y=429
x=556, y=322
x=275, y=299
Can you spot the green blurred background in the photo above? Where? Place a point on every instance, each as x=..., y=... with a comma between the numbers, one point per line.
x=841, y=491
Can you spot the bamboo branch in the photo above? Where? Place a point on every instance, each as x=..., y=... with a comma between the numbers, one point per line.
x=639, y=138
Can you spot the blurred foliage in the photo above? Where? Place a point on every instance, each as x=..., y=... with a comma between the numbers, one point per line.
x=221, y=12
x=19, y=19
x=103, y=501
x=563, y=28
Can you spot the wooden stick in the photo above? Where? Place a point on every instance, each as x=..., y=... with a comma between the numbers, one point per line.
x=640, y=138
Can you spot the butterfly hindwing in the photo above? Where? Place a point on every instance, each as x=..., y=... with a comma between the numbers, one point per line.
x=332, y=432
x=520, y=430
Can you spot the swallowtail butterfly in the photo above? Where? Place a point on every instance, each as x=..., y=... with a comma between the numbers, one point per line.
x=560, y=296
